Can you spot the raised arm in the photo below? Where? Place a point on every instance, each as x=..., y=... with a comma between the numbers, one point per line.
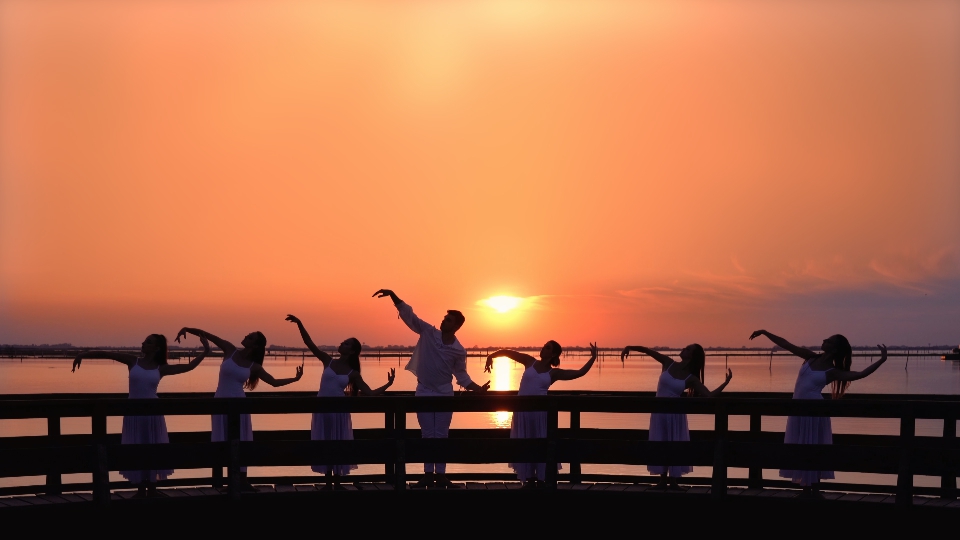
x=405, y=312
x=516, y=356
x=267, y=378
x=570, y=374
x=183, y=368
x=357, y=381
x=837, y=375
x=322, y=356
x=702, y=390
x=664, y=360
x=224, y=345
x=806, y=354
x=124, y=358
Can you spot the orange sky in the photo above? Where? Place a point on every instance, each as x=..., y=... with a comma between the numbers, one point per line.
x=647, y=172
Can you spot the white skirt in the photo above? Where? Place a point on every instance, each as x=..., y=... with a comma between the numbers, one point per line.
x=218, y=429
x=808, y=430
x=529, y=425
x=145, y=430
x=332, y=427
x=669, y=427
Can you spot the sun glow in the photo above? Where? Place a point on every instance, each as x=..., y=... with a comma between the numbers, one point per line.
x=502, y=380
x=502, y=304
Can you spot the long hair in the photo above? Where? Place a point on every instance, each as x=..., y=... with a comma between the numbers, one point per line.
x=257, y=352
x=842, y=360
x=697, y=364
x=353, y=360
x=160, y=355
x=557, y=349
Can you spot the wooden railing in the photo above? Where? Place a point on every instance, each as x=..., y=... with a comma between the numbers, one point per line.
x=395, y=445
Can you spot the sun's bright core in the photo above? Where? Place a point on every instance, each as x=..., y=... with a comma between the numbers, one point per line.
x=502, y=304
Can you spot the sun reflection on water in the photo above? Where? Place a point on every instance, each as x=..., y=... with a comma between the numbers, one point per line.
x=503, y=368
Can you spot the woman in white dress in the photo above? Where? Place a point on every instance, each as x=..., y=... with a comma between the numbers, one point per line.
x=832, y=366
x=676, y=378
x=240, y=370
x=536, y=380
x=340, y=376
x=145, y=372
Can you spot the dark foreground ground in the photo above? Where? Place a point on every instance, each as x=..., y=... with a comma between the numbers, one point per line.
x=619, y=513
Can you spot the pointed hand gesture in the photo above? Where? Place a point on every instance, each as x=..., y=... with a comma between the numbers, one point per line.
x=181, y=334
x=299, y=371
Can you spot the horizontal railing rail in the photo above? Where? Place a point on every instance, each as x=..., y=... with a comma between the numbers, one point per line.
x=395, y=445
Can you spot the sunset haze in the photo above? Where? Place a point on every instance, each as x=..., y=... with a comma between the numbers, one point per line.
x=630, y=172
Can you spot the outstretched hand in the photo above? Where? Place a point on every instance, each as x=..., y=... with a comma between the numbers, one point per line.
x=624, y=354
x=76, y=362
x=299, y=371
x=391, y=375
x=488, y=367
x=729, y=375
x=293, y=319
x=382, y=293
x=757, y=333
x=883, y=352
x=593, y=350
x=206, y=345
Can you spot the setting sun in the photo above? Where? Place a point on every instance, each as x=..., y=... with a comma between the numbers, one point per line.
x=502, y=304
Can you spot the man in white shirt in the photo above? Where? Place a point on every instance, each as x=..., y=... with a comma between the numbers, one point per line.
x=437, y=359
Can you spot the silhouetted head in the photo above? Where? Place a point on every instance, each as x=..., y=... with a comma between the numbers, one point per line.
x=256, y=344
x=350, y=350
x=550, y=353
x=452, y=321
x=695, y=359
x=154, y=347
x=840, y=353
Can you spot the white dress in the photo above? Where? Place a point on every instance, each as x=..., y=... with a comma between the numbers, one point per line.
x=531, y=424
x=669, y=426
x=808, y=429
x=332, y=426
x=230, y=385
x=144, y=429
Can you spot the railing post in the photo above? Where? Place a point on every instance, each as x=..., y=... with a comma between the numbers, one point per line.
x=54, y=483
x=948, y=480
x=575, y=442
x=233, y=465
x=550, y=477
x=718, y=489
x=101, y=469
x=389, y=429
x=400, y=433
x=755, y=475
x=908, y=425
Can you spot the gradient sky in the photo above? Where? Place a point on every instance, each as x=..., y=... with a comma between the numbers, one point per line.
x=641, y=172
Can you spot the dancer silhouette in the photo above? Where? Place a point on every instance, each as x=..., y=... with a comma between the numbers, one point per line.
x=536, y=380
x=340, y=376
x=144, y=373
x=675, y=379
x=436, y=360
x=832, y=366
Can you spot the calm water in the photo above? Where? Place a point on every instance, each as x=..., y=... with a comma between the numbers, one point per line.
x=751, y=374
